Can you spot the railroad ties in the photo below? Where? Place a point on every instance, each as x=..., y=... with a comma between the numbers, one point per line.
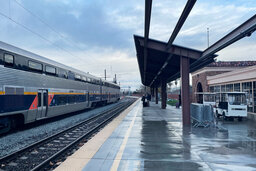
x=49, y=152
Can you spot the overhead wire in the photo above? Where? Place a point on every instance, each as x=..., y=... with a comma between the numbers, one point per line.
x=45, y=23
x=49, y=26
x=38, y=34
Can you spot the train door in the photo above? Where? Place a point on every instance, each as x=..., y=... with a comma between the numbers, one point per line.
x=42, y=103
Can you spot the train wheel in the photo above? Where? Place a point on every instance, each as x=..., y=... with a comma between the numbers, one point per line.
x=6, y=127
x=14, y=123
x=240, y=119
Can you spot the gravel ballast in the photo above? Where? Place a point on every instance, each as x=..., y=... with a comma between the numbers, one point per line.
x=20, y=139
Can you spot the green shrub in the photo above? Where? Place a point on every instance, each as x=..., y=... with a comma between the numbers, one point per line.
x=172, y=102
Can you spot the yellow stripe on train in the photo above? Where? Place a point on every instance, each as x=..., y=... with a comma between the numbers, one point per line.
x=58, y=93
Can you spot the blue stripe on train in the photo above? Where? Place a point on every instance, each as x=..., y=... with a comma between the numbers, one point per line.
x=11, y=103
x=67, y=99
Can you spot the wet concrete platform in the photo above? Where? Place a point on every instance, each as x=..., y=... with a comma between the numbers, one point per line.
x=153, y=139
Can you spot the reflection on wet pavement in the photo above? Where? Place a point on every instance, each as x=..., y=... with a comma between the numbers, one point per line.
x=157, y=141
x=167, y=146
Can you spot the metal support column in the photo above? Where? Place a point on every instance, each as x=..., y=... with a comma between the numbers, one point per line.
x=156, y=95
x=163, y=94
x=185, y=95
x=153, y=92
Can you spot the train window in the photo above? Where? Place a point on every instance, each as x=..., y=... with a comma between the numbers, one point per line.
x=39, y=99
x=9, y=90
x=50, y=70
x=14, y=90
x=20, y=91
x=45, y=99
x=71, y=99
x=89, y=80
x=8, y=59
x=81, y=98
x=62, y=100
x=77, y=77
x=63, y=73
x=35, y=66
x=71, y=75
x=84, y=79
x=21, y=62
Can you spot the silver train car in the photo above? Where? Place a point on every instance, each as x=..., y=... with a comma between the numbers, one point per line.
x=33, y=87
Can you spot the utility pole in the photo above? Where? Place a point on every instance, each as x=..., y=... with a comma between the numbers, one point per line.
x=115, y=78
x=105, y=73
x=208, y=36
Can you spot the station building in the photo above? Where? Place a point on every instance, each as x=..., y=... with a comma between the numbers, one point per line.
x=227, y=76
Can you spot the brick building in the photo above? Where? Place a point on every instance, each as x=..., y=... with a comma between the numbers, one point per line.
x=199, y=78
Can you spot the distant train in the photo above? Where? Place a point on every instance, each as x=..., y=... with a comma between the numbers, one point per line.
x=33, y=87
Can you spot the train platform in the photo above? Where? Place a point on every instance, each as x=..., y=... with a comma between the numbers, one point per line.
x=151, y=138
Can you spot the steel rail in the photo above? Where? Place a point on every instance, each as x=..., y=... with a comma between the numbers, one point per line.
x=15, y=155
x=44, y=163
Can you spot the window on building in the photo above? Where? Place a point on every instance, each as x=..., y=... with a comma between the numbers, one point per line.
x=217, y=89
x=237, y=87
x=229, y=88
x=223, y=88
x=247, y=87
x=35, y=66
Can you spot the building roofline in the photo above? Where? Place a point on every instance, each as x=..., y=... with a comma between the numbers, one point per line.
x=209, y=69
x=232, y=75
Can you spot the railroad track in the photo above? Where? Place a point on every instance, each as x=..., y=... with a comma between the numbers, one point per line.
x=43, y=153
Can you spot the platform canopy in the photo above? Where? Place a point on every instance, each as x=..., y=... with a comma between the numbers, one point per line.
x=162, y=63
x=161, y=60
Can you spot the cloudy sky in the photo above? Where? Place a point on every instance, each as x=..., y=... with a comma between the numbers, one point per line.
x=93, y=35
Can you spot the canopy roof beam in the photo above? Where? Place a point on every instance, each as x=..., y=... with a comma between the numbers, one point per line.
x=245, y=29
x=148, y=7
x=175, y=32
x=181, y=21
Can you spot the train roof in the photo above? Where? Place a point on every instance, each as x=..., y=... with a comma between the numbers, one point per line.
x=31, y=55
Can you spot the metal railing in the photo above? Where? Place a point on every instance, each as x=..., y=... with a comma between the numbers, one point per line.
x=202, y=115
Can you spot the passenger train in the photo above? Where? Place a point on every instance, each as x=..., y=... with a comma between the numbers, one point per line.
x=33, y=87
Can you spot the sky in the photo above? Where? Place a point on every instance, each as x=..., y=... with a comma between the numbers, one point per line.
x=93, y=35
